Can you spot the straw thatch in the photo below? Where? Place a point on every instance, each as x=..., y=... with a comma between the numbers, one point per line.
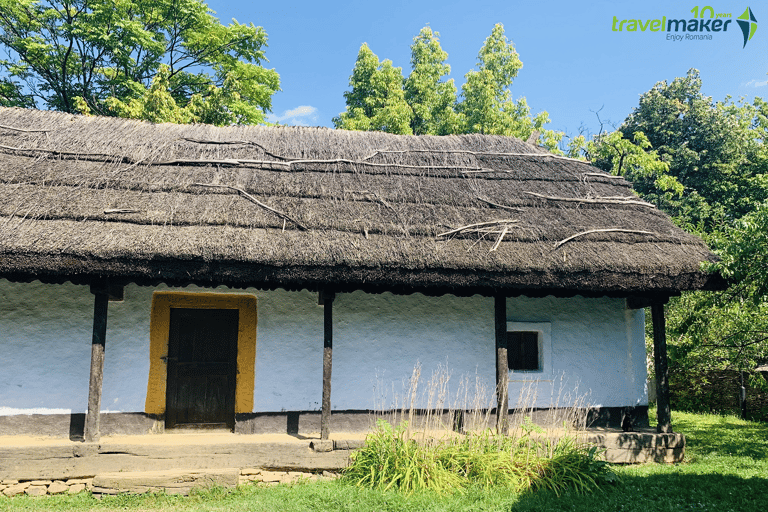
x=293, y=207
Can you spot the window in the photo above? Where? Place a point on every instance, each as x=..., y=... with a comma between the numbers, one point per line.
x=529, y=351
x=524, y=350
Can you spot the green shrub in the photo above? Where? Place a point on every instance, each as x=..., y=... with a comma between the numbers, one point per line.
x=390, y=459
x=573, y=467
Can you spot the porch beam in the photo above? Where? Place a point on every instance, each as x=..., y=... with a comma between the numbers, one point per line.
x=100, y=308
x=502, y=365
x=663, y=413
x=326, y=299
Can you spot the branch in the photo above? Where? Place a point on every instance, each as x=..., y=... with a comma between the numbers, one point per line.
x=498, y=240
x=483, y=153
x=23, y=130
x=600, y=200
x=479, y=224
x=603, y=175
x=235, y=142
x=566, y=240
x=255, y=201
x=70, y=153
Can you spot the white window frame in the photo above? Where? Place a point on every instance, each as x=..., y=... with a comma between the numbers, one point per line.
x=545, y=351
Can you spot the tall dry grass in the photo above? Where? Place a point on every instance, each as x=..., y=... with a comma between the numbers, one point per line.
x=430, y=408
x=430, y=439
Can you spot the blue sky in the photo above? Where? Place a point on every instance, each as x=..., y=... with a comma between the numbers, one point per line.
x=573, y=62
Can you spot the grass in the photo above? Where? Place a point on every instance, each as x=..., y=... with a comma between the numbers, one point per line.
x=726, y=469
x=393, y=459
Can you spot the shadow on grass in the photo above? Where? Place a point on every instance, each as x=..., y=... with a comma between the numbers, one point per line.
x=664, y=492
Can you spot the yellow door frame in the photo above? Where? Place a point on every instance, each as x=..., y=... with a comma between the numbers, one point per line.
x=159, y=325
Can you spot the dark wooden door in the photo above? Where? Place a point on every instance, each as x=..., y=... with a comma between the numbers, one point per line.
x=202, y=366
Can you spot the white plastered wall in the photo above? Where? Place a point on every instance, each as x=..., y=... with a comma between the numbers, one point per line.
x=597, y=345
x=597, y=353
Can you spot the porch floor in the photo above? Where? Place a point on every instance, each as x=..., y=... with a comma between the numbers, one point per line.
x=34, y=458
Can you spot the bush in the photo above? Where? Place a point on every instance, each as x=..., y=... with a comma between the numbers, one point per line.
x=390, y=459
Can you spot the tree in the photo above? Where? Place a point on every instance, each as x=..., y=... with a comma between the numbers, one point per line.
x=727, y=329
x=706, y=164
x=11, y=95
x=635, y=160
x=432, y=100
x=487, y=105
x=710, y=147
x=429, y=105
x=377, y=100
x=487, y=101
x=100, y=55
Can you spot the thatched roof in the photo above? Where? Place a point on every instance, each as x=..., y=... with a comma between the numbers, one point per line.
x=294, y=207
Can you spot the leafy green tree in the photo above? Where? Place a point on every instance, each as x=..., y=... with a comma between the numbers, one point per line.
x=710, y=147
x=96, y=55
x=634, y=159
x=428, y=103
x=11, y=95
x=433, y=100
x=487, y=101
x=487, y=105
x=706, y=164
x=377, y=99
x=727, y=329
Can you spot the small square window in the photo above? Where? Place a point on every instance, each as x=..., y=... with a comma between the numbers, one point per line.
x=523, y=351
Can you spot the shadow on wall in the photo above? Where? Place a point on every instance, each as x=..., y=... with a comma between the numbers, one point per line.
x=77, y=426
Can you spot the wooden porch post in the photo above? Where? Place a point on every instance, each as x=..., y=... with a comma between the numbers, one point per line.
x=664, y=416
x=100, y=306
x=502, y=365
x=103, y=293
x=326, y=299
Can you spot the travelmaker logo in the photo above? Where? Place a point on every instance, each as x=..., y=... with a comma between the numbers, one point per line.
x=748, y=25
x=701, y=27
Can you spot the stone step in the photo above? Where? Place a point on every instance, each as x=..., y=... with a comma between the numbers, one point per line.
x=170, y=481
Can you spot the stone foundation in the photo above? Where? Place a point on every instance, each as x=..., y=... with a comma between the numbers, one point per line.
x=170, y=482
x=297, y=422
x=178, y=462
x=41, y=487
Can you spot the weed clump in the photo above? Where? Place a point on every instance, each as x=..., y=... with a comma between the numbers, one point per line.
x=392, y=459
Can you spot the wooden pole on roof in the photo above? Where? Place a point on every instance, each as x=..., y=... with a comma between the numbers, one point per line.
x=326, y=299
x=663, y=413
x=502, y=365
x=103, y=293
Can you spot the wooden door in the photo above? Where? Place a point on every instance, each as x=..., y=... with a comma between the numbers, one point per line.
x=202, y=367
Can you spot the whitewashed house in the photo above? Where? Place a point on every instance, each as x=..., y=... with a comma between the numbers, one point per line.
x=280, y=278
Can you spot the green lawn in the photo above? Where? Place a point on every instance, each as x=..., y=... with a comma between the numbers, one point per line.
x=726, y=469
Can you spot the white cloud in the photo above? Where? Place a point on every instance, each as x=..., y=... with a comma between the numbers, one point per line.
x=751, y=83
x=302, y=115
